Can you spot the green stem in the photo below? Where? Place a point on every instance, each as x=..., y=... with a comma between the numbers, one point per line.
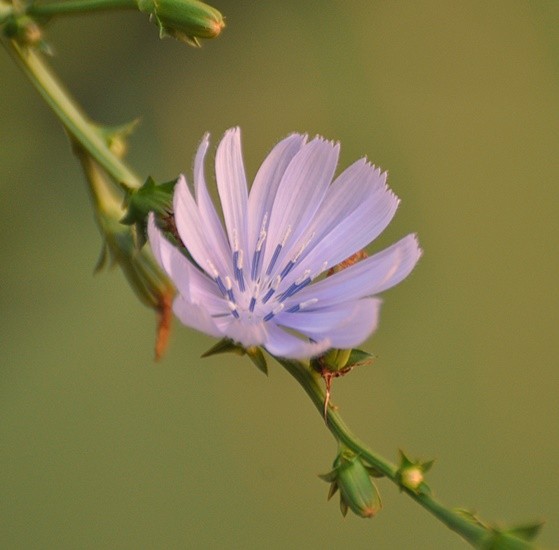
x=477, y=535
x=74, y=120
x=77, y=7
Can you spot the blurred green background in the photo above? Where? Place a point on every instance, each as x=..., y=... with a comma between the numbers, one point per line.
x=102, y=448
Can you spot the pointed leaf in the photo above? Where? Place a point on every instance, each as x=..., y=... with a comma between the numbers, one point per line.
x=329, y=477
x=103, y=258
x=360, y=358
x=257, y=357
x=529, y=531
x=225, y=345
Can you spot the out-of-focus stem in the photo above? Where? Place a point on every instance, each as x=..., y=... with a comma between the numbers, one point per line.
x=74, y=120
x=74, y=7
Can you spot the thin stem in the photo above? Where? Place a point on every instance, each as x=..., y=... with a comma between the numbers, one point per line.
x=475, y=534
x=71, y=116
x=77, y=7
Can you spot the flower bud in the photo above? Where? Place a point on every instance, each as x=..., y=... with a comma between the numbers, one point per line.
x=185, y=20
x=357, y=491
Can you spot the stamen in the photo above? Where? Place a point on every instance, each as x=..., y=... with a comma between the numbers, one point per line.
x=252, y=304
x=233, y=308
x=287, y=268
x=258, y=251
x=216, y=277
x=229, y=288
x=273, y=287
x=235, y=239
x=238, y=268
x=277, y=309
x=255, y=264
x=274, y=258
x=302, y=305
x=295, y=259
x=278, y=250
x=295, y=287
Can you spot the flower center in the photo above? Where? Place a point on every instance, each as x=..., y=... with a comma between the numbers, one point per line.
x=262, y=297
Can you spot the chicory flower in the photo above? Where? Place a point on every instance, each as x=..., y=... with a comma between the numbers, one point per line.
x=257, y=279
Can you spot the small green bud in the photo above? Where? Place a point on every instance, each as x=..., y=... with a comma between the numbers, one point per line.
x=411, y=478
x=357, y=491
x=410, y=474
x=185, y=20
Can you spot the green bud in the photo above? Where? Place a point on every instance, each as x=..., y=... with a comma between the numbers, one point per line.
x=185, y=20
x=335, y=360
x=357, y=491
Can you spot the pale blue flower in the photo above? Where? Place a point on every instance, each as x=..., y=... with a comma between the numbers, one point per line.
x=255, y=280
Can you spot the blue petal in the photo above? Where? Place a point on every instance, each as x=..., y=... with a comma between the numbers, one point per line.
x=191, y=283
x=232, y=187
x=357, y=209
x=266, y=182
x=346, y=325
x=300, y=194
x=213, y=226
x=193, y=232
x=195, y=316
x=283, y=344
x=365, y=278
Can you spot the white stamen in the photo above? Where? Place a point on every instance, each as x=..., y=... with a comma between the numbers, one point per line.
x=213, y=269
x=263, y=233
x=275, y=283
x=235, y=239
x=302, y=248
x=308, y=303
x=286, y=236
x=228, y=284
x=240, y=260
x=303, y=277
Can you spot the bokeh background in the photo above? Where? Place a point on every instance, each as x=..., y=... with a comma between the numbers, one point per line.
x=103, y=448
